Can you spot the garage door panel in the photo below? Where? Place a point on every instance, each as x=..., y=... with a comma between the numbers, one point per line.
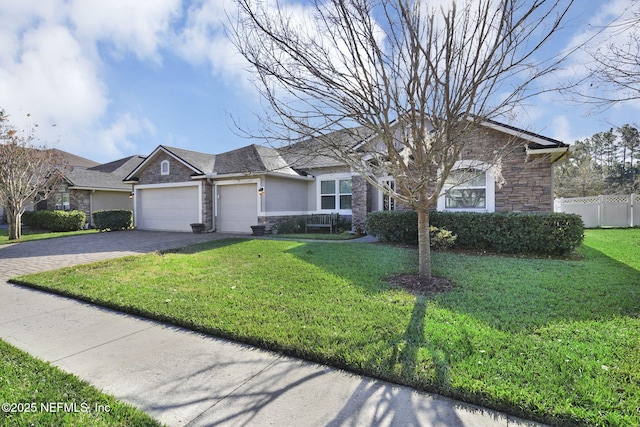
x=237, y=208
x=167, y=208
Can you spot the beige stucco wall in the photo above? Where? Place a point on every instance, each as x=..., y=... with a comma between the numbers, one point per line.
x=285, y=195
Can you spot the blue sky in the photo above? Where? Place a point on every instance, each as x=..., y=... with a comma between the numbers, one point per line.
x=108, y=79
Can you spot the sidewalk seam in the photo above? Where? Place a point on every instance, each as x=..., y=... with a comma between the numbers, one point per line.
x=232, y=392
x=104, y=343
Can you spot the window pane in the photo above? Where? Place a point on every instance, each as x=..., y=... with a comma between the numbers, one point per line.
x=465, y=199
x=327, y=187
x=345, y=186
x=466, y=178
x=477, y=180
x=345, y=202
x=328, y=202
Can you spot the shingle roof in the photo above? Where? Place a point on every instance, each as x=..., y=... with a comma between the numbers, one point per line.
x=252, y=159
x=202, y=162
x=106, y=176
x=73, y=160
x=316, y=152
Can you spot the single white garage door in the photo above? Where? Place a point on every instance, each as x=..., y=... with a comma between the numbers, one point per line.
x=237, y=208
x=167, y=208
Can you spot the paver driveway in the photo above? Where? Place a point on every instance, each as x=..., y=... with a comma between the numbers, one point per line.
x=51, y=254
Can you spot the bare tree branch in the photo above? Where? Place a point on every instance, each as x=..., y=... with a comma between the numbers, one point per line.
x=396, y=87
x=28, y=173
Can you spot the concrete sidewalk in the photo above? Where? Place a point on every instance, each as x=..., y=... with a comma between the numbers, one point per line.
x=184, y=378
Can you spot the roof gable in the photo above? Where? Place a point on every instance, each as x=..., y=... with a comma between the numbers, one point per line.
x=198, y=163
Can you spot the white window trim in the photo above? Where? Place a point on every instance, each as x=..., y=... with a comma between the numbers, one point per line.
x=381, y=194
x=335, y=177
x=490, y=192
x=162, y=167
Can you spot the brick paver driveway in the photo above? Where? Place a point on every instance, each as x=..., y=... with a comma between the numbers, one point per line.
x=51, y=254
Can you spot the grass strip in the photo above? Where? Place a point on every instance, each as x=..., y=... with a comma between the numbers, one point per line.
x=39, y=235
x=34, y=393
x=552, y=340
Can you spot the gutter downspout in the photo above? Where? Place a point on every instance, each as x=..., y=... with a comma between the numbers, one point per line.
x=213, y=206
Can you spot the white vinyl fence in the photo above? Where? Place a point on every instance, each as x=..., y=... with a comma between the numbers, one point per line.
x=603, y=211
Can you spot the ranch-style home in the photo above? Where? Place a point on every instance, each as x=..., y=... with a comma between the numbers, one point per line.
x=253, y=185
x=94, y=188
x=89, y=186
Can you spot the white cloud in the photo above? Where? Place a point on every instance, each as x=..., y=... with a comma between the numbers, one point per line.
x=127, y=26
x=202, y=40
x=51, y=68
x=116, y=140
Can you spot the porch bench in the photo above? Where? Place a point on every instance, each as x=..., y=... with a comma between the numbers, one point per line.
x=329, y=221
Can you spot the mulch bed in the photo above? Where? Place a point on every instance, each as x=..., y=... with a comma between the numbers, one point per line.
x=417, y=285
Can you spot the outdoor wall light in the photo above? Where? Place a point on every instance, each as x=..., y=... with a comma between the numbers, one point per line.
x=261, y=191
x=131, y=195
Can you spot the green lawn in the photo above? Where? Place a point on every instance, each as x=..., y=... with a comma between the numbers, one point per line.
x=315, y=236
x=34, y=393
x=553, y=340
x=38, y=235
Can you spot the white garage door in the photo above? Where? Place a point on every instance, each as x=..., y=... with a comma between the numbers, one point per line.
x=237, y=208
x=167, y=208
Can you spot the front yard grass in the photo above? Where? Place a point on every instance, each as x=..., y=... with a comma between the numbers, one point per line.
x=551, y=340
x=315, y=236
x=34, y=393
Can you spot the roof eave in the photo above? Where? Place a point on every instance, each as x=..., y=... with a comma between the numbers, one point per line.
x=100, y=188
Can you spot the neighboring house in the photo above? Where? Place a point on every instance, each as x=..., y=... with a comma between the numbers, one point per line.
x=94, y=188
x=232, y=191
x=71, y=161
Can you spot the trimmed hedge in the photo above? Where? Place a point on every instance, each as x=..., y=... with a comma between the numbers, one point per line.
x=113, y=220
x=514, y=232
x=54, y=220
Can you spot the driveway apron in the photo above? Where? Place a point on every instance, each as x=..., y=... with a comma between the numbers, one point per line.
x=184, y=378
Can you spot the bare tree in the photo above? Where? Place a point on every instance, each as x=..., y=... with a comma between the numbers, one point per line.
x=27, y=173
x=394, y=88
x=614, y=71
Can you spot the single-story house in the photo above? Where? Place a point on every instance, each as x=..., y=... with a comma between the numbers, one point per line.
x=89, y=185
x=94, y=188
x=232, y=191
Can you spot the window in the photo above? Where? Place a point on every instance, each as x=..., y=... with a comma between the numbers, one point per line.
x=466, y=189
x=335, y=194
x=388, y=202
x=61, y=201
x=164, y=167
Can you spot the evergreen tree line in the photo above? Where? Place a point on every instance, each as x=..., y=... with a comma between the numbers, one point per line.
x=606, y=163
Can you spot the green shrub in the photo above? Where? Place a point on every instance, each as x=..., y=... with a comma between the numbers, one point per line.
x=394, y=226
x=291, y=226
x=441, y=239
x=113, y=220
x=55, y=220
x=516, y=232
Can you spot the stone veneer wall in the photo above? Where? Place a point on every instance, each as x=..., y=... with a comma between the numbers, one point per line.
x=527, y=179
x=360, y=202
x=177, y=171
x=81, y=200
x=207, y=204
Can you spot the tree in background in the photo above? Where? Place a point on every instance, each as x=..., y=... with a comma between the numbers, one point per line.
x=402, y=83
x=615, y=71
x=605, y=163
x=27, y=173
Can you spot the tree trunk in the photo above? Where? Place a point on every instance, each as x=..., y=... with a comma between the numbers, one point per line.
x=424, y=248
x=14, y=219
